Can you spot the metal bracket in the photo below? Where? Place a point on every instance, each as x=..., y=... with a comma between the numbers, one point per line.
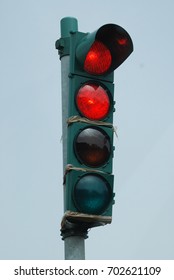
x=63, y=46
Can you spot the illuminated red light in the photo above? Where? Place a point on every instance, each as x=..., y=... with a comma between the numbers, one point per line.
x=98, y=59
x=93, y=101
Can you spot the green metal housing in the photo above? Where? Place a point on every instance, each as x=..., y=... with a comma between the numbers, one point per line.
x=73, y=159
x=76, y=81
x=78, y=77
x=76, y=60
x=71, y=180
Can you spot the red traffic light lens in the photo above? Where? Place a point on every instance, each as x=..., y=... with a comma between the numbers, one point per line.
x=93, y=101
x=98, y=59
x=92, y=147
x=92, y=194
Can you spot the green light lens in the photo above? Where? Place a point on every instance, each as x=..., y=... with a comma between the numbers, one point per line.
x=92, y=194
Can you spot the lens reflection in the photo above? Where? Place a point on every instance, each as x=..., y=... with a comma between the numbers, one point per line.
x=93, y=147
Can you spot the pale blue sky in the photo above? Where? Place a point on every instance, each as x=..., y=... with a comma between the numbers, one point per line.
x=31, y=197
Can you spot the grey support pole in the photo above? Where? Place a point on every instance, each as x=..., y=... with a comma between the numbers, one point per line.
x=74, y=243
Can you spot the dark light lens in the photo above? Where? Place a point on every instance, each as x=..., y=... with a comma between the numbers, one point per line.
x=92, y=194
x=93, y=147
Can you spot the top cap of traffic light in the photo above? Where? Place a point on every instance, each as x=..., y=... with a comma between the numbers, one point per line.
x=102, y=51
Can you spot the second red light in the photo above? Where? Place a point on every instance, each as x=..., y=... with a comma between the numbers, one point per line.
x=93, y=102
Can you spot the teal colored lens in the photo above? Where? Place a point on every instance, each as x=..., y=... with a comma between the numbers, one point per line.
x=92, y=194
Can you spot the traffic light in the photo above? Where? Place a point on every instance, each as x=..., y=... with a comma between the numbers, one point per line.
x=101, y=52
x=89, y=193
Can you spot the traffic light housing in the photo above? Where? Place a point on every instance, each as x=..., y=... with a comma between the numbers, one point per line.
x=88, y=180
x=101, y=52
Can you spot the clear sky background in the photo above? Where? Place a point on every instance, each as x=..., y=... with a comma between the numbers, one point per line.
x=31, y=197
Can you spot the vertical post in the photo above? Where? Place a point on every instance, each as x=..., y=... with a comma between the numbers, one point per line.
x=73, y=237
x=74, y=248
x=67, y=25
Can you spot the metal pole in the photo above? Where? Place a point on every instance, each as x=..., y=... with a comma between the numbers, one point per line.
x=74, y=248
x=73, y=237
x=67, y=25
